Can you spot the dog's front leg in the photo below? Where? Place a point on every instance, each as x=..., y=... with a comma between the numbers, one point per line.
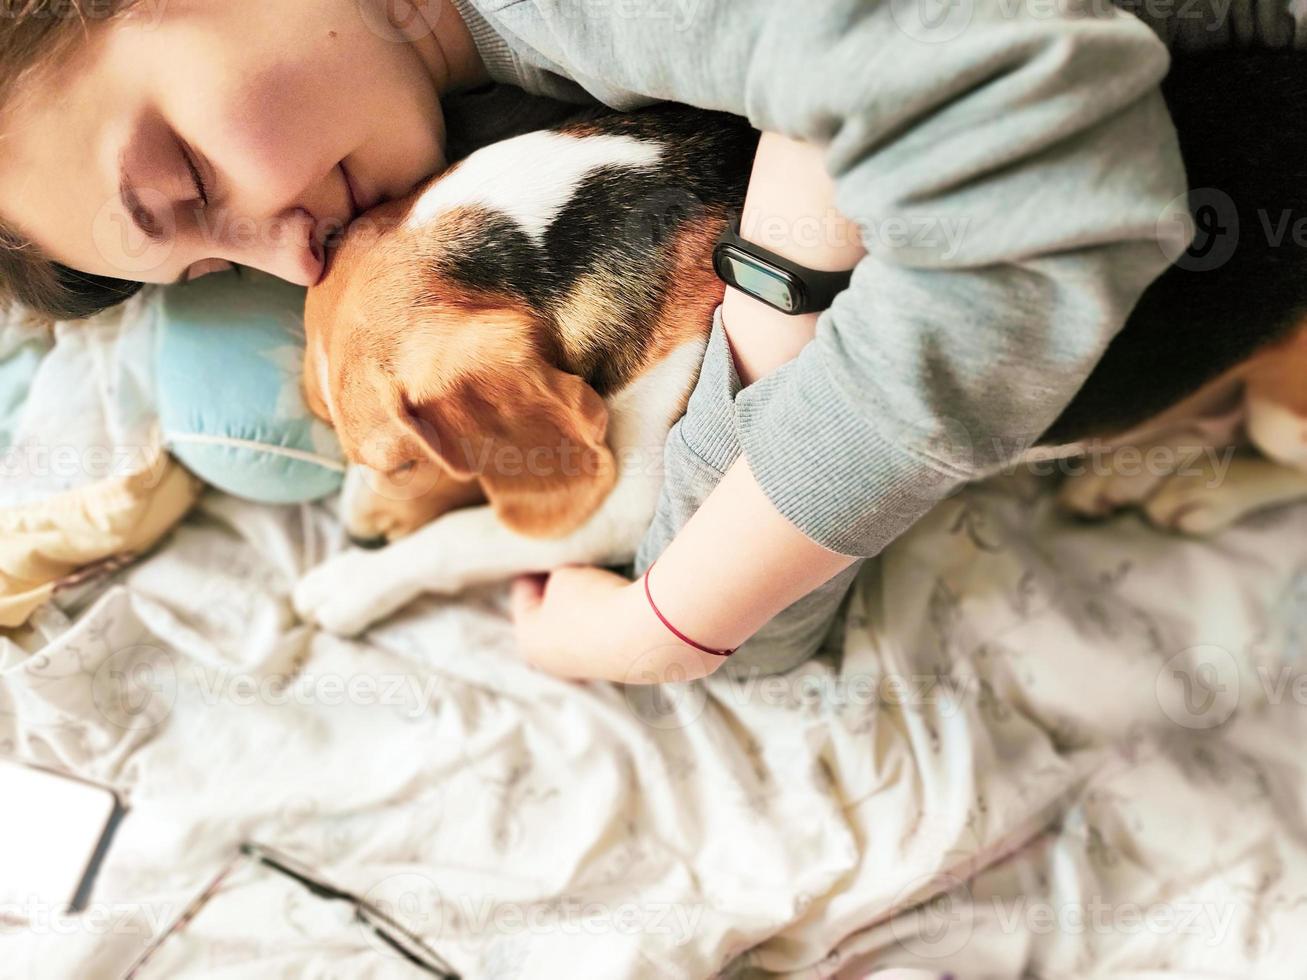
x=464, y=548
x=350, y=591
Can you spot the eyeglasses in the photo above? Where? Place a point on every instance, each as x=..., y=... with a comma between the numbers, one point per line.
x=385, y=928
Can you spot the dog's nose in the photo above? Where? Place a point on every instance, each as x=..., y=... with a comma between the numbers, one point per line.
x=369, y=544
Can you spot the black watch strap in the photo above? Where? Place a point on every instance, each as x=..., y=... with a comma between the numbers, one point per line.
x=810, y=290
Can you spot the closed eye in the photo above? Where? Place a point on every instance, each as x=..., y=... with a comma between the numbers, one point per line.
x=206, y=266
x=403, y=468
x=197, y=178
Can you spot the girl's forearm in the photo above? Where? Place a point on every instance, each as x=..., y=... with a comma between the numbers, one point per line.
x=737, y=563
x=789, y=210
x=733, y=566
x=730, y=570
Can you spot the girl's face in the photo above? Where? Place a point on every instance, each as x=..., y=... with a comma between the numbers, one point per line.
x=195, y=133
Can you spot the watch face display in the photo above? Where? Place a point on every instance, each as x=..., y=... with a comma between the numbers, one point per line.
x=771, y=285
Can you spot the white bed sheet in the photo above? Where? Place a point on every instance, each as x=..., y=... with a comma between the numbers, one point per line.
x=1007, y=731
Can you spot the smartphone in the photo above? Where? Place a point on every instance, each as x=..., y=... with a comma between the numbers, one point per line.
x=55, y=830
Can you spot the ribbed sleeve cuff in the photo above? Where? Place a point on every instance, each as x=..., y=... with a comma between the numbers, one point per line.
x=842, y=482
x=708, y=426
x=837, y=479
x=494, y=50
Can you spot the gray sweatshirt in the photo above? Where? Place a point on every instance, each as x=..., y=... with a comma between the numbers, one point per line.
x=1007, y=164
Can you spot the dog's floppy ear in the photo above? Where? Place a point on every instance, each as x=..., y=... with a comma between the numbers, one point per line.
x=532, y=434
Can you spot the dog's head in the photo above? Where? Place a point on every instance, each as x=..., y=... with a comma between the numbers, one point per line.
x=443, y=394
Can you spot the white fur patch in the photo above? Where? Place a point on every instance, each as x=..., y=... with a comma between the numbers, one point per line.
x=354, y=490
x=529, y=178
x=640, y=414
x=1278, y=432
x=639, y=417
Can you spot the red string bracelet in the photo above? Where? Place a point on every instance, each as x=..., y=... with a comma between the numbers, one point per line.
x=678, y=634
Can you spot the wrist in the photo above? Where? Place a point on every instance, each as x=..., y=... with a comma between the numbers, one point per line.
x=654, y=653
x=790, y=207
x=632, y=641
x=790, y=211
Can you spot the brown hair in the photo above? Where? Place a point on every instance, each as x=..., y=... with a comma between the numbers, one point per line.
x=35, y=36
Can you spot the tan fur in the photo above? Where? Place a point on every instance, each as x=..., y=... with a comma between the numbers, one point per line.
x=445, y=395
x=1261, y=402
x=531, y=434
x=589, y=319
x=1279, y=374
x=398, y=504
x=695, y=289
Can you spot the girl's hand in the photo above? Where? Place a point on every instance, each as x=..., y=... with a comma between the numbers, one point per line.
x=568, y=618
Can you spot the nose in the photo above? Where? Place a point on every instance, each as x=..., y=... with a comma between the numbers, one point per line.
x=369, y=544
x=288, y=247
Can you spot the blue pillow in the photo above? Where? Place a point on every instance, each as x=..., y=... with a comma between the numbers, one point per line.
x=229, y=354
x=18, y=365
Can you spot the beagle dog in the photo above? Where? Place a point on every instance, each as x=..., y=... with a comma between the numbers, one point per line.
x=504, y=351
x=507, y=348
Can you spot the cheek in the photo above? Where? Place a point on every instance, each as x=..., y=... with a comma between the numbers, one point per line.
x=274, y=135
x=403, y=141
x=358, y=98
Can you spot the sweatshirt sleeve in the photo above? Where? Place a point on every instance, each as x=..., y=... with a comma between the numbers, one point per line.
x=1011, y=168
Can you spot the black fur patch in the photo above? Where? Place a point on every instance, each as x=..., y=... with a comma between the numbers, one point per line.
x=493, y=255
x=616, y=228
x=621, y=222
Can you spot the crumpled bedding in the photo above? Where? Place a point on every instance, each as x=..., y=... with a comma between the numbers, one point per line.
x=1046, y=749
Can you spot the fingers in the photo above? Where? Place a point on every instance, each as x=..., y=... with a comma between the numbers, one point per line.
x=526, y=595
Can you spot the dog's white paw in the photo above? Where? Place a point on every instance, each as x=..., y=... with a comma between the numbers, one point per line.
x=1100, y=493
x=1190, y=504
x=350, y=591
x=1212, y=497
x=1279, y=432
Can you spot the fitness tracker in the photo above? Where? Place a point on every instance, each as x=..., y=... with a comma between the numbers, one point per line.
x=778, y=282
